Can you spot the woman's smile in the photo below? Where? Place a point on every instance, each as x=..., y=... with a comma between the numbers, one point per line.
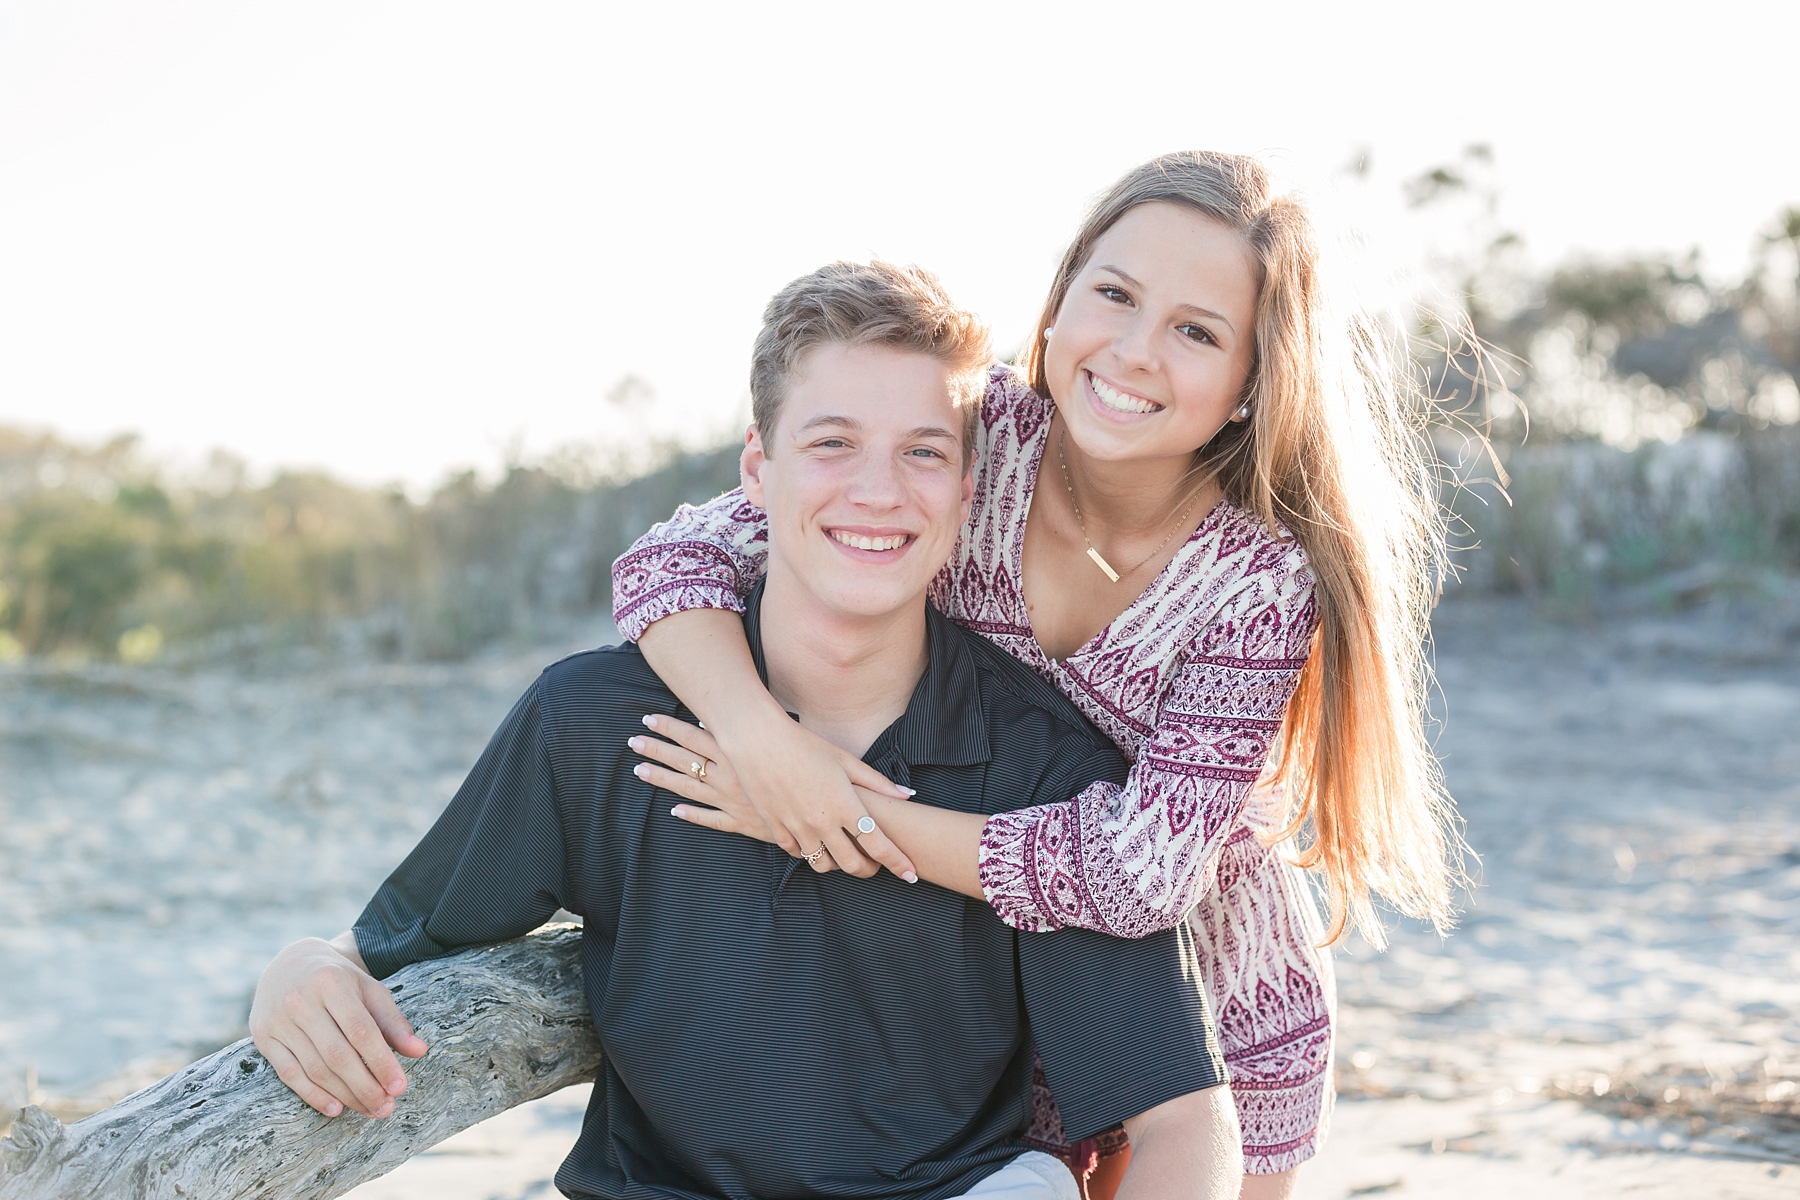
x=1116, y=399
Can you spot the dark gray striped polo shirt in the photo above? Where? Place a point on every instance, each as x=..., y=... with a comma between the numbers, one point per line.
x=772, y=1032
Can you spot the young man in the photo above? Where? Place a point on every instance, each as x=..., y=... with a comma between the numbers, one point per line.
x=771, y=1031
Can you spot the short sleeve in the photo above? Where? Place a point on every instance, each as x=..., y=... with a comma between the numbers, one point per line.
x=490, y=869
x=1121, y=1024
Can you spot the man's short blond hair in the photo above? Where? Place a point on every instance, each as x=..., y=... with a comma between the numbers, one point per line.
x=869, y=304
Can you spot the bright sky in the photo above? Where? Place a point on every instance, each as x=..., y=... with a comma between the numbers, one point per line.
x=391, y=237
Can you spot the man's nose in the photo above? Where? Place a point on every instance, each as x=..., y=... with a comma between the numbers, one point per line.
x=877, y=483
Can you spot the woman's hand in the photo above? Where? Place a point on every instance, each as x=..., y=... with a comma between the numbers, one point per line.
x=812, y=767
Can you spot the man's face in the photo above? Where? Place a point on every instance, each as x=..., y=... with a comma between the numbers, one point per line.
x=862, y=477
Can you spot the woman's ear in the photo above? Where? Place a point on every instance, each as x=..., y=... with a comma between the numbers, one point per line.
x=750, y=466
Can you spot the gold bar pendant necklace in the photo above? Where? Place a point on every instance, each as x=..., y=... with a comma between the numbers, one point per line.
x=1062, y=457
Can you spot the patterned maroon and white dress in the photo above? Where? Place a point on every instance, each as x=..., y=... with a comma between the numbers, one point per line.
x=1191, y=681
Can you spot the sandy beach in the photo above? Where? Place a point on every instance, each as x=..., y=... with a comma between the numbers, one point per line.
x=1618, y=1013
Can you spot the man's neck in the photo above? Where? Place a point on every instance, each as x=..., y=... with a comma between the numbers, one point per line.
x=848, y=678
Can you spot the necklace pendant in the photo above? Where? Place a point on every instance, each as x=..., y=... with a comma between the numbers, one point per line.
x=1103, y=564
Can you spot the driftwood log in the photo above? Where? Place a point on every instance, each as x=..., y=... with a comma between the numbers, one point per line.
x=506, y=1024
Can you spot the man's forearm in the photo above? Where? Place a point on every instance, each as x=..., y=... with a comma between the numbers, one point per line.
x=1186, y=1149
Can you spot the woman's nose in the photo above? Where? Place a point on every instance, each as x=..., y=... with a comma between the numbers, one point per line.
x=1135, y=345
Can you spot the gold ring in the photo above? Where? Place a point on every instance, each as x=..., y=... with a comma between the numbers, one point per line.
x=812, y=858
x=698, y=769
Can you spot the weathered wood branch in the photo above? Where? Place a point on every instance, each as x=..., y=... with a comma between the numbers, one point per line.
x=505, y=1024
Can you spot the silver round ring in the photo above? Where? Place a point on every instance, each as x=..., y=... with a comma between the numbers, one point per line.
x=865, y=824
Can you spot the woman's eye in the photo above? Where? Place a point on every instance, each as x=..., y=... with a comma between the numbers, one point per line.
x=1198, y=333
x=1117, y=295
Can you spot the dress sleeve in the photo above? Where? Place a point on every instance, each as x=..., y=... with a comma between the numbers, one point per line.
x=705, y=556
x=490, y=869
x=1135, y=859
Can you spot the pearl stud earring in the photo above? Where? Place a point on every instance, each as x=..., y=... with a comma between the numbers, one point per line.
x=1048, y=330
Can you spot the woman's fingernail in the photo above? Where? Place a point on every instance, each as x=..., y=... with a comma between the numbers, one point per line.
x=635, y=742
x=909, y=877
x=642, y=770
x=907, y=790
x=650, y=721
x=678, y=811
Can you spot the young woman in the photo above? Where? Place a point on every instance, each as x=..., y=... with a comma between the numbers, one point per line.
x=1201, y=510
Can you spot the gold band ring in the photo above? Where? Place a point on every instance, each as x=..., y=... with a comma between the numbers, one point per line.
x=812, y=858
x=698, y=769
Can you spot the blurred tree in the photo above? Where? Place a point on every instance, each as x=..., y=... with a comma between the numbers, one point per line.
x=100, y=556
x=1622, y=350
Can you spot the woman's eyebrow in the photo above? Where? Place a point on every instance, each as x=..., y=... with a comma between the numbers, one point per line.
x=1193, y=308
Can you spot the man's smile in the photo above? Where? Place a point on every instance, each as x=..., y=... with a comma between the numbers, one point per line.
x=880, y=543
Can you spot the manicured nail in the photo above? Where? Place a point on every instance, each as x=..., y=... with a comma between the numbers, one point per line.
x=907, y=790
x=909, y=877
x=642, y=770
x=678, y=811
x=635, y=742
x=650, y=721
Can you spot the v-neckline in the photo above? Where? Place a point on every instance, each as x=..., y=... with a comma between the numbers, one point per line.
x=1017, y=553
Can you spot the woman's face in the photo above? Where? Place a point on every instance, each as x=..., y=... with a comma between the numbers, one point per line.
x=1153, y=342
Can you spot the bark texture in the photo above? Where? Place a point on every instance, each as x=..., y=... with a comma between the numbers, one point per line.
x=505, y=1024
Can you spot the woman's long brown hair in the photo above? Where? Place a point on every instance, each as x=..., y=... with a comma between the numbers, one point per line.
x=1333, y=454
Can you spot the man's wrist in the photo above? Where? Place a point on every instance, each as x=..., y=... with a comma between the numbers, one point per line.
x=345, y=944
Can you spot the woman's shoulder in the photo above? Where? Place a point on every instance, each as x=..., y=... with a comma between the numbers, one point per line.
x=1249, y=588
x=1012, y=405
x=1249, y=545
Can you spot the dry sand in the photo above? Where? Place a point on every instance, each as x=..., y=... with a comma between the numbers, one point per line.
x=1632, y=785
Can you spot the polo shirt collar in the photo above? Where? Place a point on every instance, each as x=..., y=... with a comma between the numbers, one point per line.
x=944, y=723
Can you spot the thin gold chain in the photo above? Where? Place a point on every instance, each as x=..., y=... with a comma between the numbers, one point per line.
x=1099, y=559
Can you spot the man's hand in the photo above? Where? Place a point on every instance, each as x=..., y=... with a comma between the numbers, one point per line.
x=1188, y=1148
x=325, y=1025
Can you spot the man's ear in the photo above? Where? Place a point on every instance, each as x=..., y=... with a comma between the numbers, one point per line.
x=968, y=485
x=750, y=466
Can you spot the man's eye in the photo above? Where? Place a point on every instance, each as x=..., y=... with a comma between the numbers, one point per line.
x=832, y=443
x=925, y=452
